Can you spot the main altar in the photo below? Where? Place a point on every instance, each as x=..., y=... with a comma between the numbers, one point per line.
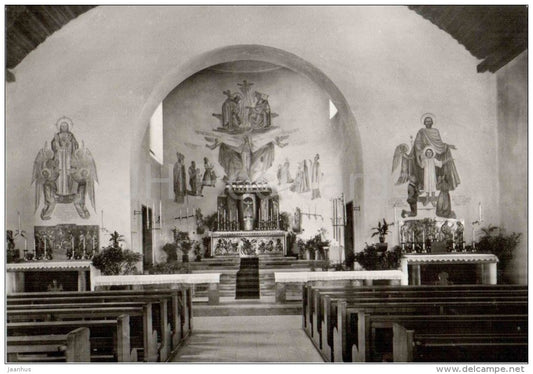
x=248, y=222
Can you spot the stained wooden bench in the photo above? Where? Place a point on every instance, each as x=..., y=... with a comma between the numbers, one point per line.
x=413, y=341
x=71, y=347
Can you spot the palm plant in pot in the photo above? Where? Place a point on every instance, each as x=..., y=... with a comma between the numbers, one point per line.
x=381, y=231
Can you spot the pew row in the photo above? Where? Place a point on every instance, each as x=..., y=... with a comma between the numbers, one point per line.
x=413, y=341
x=284, y=279
x=109, y=339
x=164, y=314
x=71, y=347
x=337, y=325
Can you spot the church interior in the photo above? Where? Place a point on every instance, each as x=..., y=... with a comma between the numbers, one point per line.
x=266, y=184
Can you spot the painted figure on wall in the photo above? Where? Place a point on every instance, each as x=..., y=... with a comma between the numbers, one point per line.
x=193, y=179
x=428, y=159
x=231, y=111
x=242, y=163
x=284, y=174
x=260, y=115
x=245, y=111
x=210, y=176
x=412, y=197
x=316, y=176
x=64, y=144
x=301, y=181
x=180, y=184
x=444, y=204
x=64, y=173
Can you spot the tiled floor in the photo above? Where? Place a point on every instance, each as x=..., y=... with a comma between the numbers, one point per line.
x=248, y=339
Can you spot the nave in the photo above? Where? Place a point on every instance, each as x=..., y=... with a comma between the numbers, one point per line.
x=278, y=338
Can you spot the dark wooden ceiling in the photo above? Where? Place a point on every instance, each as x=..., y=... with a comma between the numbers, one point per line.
x=494, y=34
x=27, y=26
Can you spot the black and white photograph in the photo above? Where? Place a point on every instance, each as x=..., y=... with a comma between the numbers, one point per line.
x=266, y=184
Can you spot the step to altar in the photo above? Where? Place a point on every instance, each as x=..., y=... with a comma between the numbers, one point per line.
x=265, y=306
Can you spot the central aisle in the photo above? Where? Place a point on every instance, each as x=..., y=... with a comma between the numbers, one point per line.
x=248, y=339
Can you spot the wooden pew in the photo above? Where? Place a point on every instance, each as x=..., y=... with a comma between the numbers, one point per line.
x=307, y=302
x=72, y=347
x=144, y=313
x=413, y=341
x=179, y=311
x=325, y=341
x=309, y=292
x=102, y=334
x=313, y=307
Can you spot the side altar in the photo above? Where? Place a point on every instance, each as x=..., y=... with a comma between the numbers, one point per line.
x=248, y=222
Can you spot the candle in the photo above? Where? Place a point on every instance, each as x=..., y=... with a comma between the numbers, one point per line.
x=423, y=239
x=480, y=216
x=72, y=241
x=160, y=213
x=44, y=245
x=102, y=218
x=18, y=214
x=84, y=243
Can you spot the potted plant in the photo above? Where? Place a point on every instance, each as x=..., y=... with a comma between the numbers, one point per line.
x=496, y=241
x=197, y=251
x=381, y=230
x=371, y=258
x=113, y=260
x=171, y=249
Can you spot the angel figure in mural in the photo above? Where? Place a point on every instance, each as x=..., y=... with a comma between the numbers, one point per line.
x=243, y=163
x=64, y=173
x=428, y=159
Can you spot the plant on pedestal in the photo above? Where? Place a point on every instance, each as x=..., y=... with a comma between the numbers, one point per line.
x=113, y=260
x=381, y=230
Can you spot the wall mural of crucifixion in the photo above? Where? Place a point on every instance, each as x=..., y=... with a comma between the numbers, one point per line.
x=247, y=136
x=64, y=173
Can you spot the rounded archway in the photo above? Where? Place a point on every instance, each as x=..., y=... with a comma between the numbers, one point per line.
x=345, y=122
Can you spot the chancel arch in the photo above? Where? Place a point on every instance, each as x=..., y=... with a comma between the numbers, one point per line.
x=295, y=139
